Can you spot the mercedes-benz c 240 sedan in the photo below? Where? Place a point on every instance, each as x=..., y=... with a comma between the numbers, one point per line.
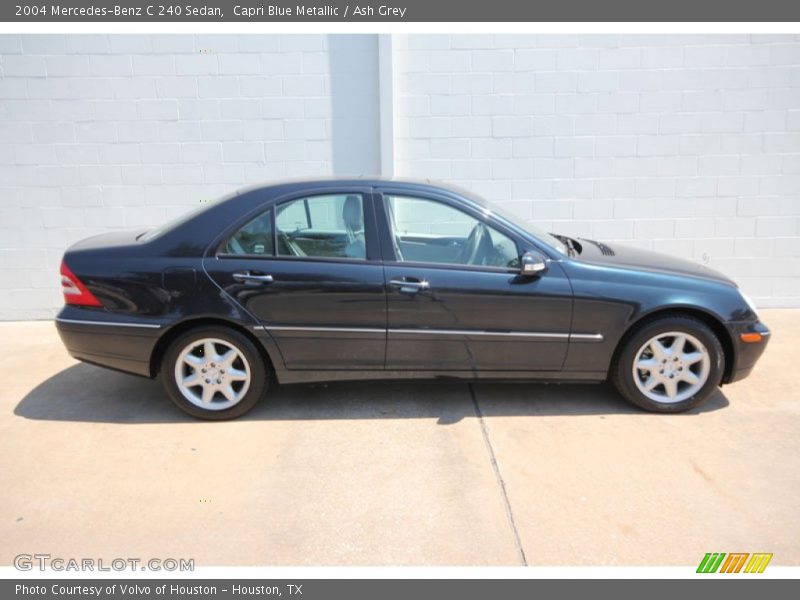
x=382, y=279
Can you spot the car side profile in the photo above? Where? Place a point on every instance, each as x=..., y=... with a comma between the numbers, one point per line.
x=349, y=279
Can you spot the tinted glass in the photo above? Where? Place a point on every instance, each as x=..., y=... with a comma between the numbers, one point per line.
x=327, y=226
x=254, y=238
x=434, y=232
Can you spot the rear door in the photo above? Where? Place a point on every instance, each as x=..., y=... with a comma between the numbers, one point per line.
x=456, y=300
x=309, y=269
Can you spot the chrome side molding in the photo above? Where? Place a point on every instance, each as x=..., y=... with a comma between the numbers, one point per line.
x=332, y=329
x=577, y=337
x=525, y=334
x=109, y=323
x=586, y=337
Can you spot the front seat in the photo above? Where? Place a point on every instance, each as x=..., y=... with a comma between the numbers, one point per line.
x=353, y=217
x=287, y=246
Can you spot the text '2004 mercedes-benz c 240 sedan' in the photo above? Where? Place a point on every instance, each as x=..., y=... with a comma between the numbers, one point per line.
x=385, y=279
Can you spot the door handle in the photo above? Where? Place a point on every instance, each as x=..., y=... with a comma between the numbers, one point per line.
x=251, y=278
x=410, y=287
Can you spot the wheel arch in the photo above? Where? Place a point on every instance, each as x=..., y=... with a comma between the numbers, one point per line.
x=708, y=318
x=179, y=329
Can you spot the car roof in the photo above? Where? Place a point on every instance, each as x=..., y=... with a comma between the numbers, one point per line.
x=287, y=185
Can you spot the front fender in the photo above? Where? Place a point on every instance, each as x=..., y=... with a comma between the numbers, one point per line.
x=611, y=301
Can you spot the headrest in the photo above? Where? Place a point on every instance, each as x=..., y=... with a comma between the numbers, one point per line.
x=352, y=213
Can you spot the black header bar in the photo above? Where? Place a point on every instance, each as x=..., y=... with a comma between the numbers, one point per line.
x=154, y=11
x=387, y=589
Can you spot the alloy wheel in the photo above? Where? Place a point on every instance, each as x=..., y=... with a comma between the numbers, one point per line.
x=212, y=374
x=671, y=367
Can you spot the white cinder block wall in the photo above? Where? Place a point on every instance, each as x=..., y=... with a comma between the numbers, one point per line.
x=685, y=144
x=124, y=131
x=682, y=143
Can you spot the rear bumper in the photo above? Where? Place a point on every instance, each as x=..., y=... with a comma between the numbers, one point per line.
x=112, y=342
x=746, y=354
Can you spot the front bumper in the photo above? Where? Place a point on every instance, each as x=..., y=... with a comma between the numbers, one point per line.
x=108, y=341
x=746, y=354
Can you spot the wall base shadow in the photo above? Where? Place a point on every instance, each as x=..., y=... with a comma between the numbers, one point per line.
x=83, y=393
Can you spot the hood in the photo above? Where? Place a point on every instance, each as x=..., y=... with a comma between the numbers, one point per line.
x=621, y=256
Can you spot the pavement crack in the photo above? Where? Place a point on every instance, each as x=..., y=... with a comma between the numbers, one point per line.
x=501, y=484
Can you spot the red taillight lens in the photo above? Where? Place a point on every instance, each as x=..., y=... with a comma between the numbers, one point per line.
x=74, y=291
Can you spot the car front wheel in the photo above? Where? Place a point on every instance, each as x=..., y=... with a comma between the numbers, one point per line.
x=214, y=373
x=669, y=365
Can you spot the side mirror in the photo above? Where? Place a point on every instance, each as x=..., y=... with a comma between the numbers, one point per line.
x=532, y=264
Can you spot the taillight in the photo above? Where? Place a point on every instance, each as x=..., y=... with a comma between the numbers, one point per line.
x=74, y=290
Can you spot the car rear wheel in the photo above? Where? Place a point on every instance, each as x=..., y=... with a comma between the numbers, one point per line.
x=669, y=365
x=214, y=373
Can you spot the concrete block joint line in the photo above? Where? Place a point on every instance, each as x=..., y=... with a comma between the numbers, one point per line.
x=498, y=476
x=685, y=144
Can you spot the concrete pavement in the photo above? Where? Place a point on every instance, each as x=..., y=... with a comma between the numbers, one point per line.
x=99, y=464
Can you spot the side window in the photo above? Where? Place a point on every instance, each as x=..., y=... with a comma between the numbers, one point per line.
x=254, y=238
x=293, y=216
x=434, y=232
x=328, y=226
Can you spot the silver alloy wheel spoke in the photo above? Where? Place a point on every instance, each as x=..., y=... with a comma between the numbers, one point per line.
x=690, y=377
x=228, y=358
x=212, y=374
x=692, y=357
x=192, y=360
x=237, y=375
x=208, y=394
x=648, y=364
x=671, y=387
x=659, y=351
x=228, y=392
x=209, y=352
x=671, y=367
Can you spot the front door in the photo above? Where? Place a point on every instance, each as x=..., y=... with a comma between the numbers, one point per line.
x=456, y=300
x=309, y=270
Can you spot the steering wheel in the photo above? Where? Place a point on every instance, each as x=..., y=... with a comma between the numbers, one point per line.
x=474, y=247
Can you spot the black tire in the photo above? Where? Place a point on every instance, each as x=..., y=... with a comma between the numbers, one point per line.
x=258, y=372
x=622, y=375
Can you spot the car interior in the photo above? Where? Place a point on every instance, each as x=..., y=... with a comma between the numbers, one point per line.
x=254, y=238
x=332, y=226
x=324, y=226
x=328, y=227
x=427, y=231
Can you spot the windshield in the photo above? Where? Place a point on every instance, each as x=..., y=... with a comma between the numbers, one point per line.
x=518, y=223
x=173, y=223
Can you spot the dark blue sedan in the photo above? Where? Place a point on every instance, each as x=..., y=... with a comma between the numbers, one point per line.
x=386, y=279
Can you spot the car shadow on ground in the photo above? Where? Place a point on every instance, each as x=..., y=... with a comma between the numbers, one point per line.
x=83, y=393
